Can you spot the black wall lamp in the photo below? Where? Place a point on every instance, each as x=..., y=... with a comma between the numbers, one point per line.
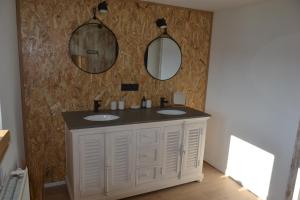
x=103, y=7
x=161, y=23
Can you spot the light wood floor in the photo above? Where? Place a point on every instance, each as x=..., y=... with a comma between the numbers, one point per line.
x=215, y=186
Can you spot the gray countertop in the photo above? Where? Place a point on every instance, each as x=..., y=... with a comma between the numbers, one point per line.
x=74, y=120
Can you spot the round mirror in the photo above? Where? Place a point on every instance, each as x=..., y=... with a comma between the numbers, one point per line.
x=163, y=58
x=93, y=48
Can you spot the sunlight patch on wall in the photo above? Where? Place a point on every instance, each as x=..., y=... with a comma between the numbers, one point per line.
x=296, y=194
x=250, y=165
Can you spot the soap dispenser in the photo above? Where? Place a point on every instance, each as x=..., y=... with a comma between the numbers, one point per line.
x=143, y=102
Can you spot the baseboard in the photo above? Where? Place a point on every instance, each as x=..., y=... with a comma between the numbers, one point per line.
x=54, y=184
x=213, y=166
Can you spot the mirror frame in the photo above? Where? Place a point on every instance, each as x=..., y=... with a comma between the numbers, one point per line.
x=96, y=21
x=163, y=35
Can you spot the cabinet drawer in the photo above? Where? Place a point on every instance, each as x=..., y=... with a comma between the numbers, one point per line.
x=147, y=174
x=148, y=156
x=149, y=136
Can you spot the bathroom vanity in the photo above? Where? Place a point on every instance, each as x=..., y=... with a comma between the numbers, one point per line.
x=140, y=151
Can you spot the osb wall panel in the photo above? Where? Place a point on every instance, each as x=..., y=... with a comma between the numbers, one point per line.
x=52, y=83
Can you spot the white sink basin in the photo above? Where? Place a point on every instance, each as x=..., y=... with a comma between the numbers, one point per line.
x=171, y=112
x=101, y=117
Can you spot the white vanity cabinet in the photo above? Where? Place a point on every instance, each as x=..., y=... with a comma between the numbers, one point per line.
x=119, y=161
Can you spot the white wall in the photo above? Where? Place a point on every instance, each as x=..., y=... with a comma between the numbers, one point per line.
x=10, y=96
x=254, y=84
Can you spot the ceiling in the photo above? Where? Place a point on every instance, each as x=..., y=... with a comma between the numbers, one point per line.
x=209, y=5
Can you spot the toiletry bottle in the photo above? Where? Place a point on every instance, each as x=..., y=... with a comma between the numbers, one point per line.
x=143, y=102
x=113, y=105
x=148, y=103
x=121, y=104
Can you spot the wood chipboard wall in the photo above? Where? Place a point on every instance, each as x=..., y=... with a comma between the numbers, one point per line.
x=51, y=83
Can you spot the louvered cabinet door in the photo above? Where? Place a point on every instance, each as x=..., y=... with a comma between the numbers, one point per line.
x=120, y=149
x=194, y=138
x=91, y=166
x=171, y=151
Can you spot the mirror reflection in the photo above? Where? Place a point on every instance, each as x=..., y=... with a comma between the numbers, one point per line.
x=93, y=48
x=163, y=58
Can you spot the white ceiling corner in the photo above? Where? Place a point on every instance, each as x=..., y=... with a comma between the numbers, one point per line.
x=208, y=5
